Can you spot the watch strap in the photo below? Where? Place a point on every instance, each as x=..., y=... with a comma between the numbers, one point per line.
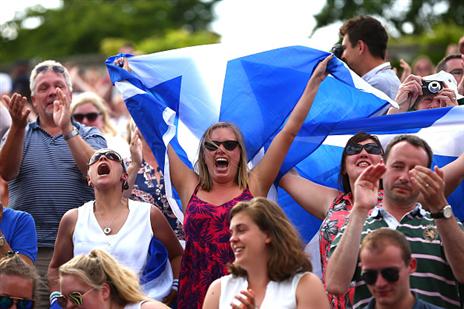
x=74, y=132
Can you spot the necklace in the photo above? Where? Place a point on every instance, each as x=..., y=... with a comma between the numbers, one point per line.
x=107, y=229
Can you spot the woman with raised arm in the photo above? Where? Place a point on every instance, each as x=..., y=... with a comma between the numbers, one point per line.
x=270, y=270
x=223, y=179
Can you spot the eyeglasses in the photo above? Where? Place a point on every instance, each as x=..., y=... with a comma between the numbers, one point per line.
x=54, y=68
x=107, y=153
x=391, y=274
x=214, y=145
x=76, y=298
x=7, y=302
x=370, y=148
x=90, y=116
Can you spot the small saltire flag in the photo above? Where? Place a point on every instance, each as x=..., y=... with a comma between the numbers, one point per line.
x=174, y=96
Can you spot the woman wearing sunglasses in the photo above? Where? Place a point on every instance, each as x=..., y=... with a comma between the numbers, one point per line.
x=90, y=109
x=18, y=283
x=223, y=179
x=270, y=270
x=96, y=280
x=123, y=227
x=329, y=204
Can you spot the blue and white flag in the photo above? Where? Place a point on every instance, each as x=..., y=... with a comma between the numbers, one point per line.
x=175, y=96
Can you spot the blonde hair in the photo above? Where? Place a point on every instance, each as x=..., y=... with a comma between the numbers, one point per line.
x=201, y=167
x=286, y=253
x=99, y=267
x=100, y=105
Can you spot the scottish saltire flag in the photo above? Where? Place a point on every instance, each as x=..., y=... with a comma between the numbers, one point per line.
x=442, y=128
x=175, y=96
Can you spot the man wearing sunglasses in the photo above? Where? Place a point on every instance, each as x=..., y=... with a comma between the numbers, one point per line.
x=435, y=236
x=45, y=161
x=18, y=284
x=386, y=265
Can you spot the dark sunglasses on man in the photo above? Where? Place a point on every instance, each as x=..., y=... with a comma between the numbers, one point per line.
x=90, y=116
x=6, y=302
x=391, y=274
x=371, y=148
x=214, y=145
x=108, y=153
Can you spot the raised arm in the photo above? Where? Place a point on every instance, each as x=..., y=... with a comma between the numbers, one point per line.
x=183, y=178
x=11, y=154
x=80, y=149
x=63, y=251
x=431, y=186
x=310, y=293
x=343, y=261
x=263, y=175
x=453, y=174
x=313, y=197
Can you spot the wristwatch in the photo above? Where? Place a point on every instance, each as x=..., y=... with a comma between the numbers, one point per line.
x=71, y=134
x=445, y=213
x=2, y=241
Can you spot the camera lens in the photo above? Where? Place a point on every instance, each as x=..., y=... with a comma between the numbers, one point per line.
x=434, y=87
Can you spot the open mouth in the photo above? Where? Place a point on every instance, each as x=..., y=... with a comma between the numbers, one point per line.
x=222, y=163
x=103, y=169
x=363, y=163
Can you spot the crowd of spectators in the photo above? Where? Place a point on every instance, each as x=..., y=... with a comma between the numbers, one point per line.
x=77, y=176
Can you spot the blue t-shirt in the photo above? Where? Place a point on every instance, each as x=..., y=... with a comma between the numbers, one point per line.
x=19, y=230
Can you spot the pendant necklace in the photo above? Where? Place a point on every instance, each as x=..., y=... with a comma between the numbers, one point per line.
x=107, y=229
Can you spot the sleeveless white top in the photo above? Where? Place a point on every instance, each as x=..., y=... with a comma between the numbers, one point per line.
x=278, y=294
x=134, y=306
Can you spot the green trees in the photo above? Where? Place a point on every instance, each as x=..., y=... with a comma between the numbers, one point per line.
x=81, y=26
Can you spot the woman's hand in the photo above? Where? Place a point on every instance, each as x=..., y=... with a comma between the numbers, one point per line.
x=246, y=299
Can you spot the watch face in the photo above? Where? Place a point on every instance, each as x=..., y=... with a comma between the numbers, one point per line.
x=2, y=241
x=447, y=212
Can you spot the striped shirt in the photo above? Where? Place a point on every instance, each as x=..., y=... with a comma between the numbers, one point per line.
x=433, y=281
x=49, y=182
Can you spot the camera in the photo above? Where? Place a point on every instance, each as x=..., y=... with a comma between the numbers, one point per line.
x=431, y=87
x=337, y=50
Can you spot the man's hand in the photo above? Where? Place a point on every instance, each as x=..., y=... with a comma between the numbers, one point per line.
x=18, y=109
x=447, y=97
x=366, y=187
x=409, y=91
x=432, y=187
x=62, y=112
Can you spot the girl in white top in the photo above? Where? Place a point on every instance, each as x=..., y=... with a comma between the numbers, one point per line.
x=122, y=227
x=97, y=280
x=270, y=269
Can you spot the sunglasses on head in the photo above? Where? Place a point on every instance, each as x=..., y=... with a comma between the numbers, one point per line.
x=76, y=298
x=90, y=116
x=109, y=154
x=7, y=302
x=391, y=274
x=54, y=68
x=214, y=145
x=370, y=148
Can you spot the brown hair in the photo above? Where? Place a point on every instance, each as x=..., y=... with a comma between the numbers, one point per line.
x=286, y=254
x=242, y=174
x=383, y=237
x=412, y=140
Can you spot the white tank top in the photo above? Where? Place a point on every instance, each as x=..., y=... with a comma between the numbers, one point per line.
x=278, y=294
x=129, y=246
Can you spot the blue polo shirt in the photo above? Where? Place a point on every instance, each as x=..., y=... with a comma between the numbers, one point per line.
x=19, y=230
x=49, y=182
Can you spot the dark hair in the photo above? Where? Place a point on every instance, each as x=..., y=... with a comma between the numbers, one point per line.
x=413, y=140
x=343, y=178
x=441, y=66
x=383, y=237
x=286, y=253
x=370, y=31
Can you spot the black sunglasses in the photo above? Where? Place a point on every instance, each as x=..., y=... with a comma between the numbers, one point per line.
x=214, y=145
x=54, y=68
x=90, y=117
x=370, y=148
x=391, y=274
x=109, y=154
x=7, y=302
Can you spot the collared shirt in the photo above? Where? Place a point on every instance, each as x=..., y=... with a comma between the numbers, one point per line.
x=418, y=304
x=383, y=78
x=49, y=182
x=433, y=280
